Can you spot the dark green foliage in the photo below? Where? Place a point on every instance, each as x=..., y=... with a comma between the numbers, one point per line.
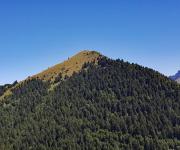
x=109, y=106
x=3, y=88
x=58, y=78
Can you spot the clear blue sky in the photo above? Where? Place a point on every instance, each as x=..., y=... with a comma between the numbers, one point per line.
x=36, y=34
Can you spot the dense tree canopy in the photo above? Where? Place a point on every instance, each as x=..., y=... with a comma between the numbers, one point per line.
x=109, y=105
x=3, y=88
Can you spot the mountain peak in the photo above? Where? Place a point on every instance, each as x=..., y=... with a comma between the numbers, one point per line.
x=176, y=77
x=66, y=68
x=88, y=52
x=73, y=64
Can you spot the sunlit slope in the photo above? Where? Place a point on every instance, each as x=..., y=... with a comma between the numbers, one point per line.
x=73, y=64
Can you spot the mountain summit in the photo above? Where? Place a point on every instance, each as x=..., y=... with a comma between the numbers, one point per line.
x=73, y=64
x=176, y=77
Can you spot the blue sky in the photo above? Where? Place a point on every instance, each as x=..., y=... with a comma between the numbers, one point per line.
x=36, y=34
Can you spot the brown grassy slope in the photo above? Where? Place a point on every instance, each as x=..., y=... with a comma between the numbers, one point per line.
x=73, y=64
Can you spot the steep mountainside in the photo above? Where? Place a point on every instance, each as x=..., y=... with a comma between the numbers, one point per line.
x=108, y=104
x=176, y=77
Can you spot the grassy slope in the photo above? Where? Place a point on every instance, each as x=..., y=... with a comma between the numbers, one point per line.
x=73, y=64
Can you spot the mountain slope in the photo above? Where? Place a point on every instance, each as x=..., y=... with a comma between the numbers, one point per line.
x=66, y=68
x=176, y=77
x=110, y=104
x=73, y=64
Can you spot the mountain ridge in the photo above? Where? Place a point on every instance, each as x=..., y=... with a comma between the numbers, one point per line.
x=176, y=77
x=66, y=68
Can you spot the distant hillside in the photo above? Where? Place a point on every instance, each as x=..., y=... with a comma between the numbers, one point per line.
x=176, y=77
x=105, y=105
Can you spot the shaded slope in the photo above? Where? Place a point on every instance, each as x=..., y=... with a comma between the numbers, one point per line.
x=4, y=89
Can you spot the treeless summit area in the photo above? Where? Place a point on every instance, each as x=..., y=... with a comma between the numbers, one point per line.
x=73, y=64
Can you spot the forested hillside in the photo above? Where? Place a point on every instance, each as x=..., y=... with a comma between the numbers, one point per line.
x=4, y=88
x=108, y=105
